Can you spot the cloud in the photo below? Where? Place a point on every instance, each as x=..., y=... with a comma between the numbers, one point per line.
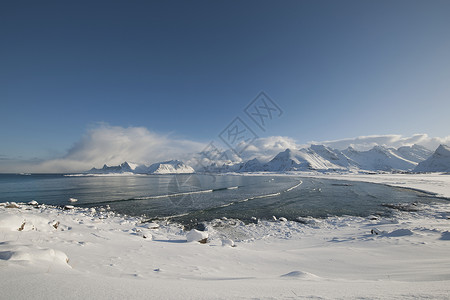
x=392, y=140
x=114, y=144
x=266, y=148
x=18, y=165
x=4, y=157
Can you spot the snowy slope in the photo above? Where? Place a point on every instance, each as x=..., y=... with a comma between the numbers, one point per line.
x=221, y=166
x=438, y=162
x=167, y=167
x=334, y=156
x=253, y=165
x=297, y=160
x=379, y=158
x=415, y=153
x=132, y=166
x=87, y=253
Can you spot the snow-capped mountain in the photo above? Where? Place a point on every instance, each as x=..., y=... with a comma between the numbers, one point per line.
x=167, y=167
x=335, y=156
x=316, y=157
x=122, y=168
x=415, y=153
x=439, y=161
x=252, y=165
x=299, y=160
x=379, y=158
x=322, y=158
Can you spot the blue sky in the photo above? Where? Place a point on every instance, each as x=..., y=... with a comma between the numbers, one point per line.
x=338, y=69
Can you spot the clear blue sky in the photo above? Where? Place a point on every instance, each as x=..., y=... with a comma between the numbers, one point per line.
x=337, y=68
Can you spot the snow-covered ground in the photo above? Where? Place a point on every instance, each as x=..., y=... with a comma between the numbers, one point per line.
x=50, y=253
x=435, y=183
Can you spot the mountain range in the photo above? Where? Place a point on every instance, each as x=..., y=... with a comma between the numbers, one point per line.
x=322, y=158
x=319, y=158
x=166, y=167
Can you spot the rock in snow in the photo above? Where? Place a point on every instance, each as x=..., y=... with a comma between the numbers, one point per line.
x=196, y=236
x=12, y=205
x=228, y=242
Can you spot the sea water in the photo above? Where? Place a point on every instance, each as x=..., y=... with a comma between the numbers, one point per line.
x=196, y=198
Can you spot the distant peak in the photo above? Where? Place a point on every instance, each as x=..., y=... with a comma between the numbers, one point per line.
x=318, y=146
x=350, y=148
x=443, y=150
x=416, y=146
x=254, y=160
x=379, y=147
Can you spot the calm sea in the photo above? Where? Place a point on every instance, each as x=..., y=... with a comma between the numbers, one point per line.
x=196, y=198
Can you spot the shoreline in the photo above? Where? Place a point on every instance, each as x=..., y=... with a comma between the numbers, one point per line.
x=436, y=184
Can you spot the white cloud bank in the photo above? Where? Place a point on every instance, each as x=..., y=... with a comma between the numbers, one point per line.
x=266, y=148
x=114, y=144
